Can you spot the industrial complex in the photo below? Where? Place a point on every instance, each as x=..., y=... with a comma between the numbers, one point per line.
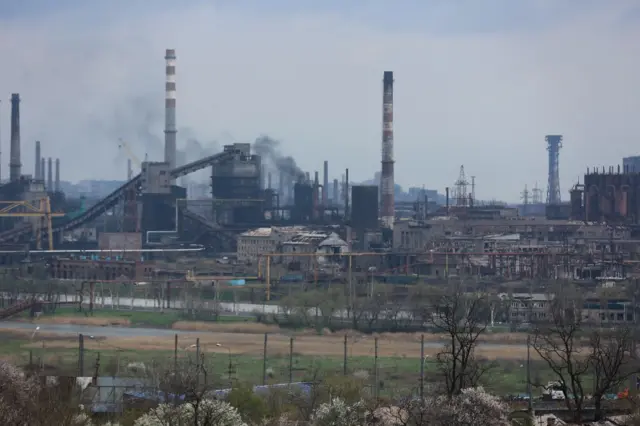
x=263, y=209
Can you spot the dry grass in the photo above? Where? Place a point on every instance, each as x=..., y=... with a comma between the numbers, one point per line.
x=231, y=327
x=94, y=321
x=252, y=344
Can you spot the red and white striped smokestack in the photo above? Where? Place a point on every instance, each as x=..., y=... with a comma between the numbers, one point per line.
x=170, y=129
x=387, y=184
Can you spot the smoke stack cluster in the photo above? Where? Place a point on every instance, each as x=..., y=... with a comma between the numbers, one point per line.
x=387, y=185
x=15, y=167
x=37, y=170
x=170, y=109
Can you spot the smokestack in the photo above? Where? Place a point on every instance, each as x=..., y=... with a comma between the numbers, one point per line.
x=281, y=188
x=386, y=177
x=129, y=169
x=346, y=193
x=37, y=170
x=316, y=197
x=335, y=197
x=170, y=109
x=42, y=169
x=325, y=186
x=15, y=167
x=447, y=198
x=269, y=180
x=57, y=183
x=50, y=175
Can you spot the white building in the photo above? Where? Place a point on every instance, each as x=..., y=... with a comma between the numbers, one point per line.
x=256, y=242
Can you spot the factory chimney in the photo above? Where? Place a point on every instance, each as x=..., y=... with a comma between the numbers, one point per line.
x=281, y=188
x=50, y=175
x=325, y=185
x=42, y=169
x=269, y=180
x=37, y=170
x=346, y=193
x=57, y=183
x=170, y=109
x=386, y=177
x=335, y=197
x=14, y=161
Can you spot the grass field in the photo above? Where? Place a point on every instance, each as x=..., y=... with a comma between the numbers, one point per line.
x=128, y=318
x=313, y=356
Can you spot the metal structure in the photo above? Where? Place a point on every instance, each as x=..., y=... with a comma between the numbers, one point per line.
x=525, y=197
x=26, y=230
x=170, y=129
x=15, y=166
x=554, y=143
x=387, y=184
x=25, y=209
x=460, y=191
x=536, y=195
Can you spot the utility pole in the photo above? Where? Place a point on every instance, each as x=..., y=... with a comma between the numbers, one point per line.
x=290, y=360
x=375, y=369
x=80, y=355
x=422, y=366
x=344, y=364
x=264, y=360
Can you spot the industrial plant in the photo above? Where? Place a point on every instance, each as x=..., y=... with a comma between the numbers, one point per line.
x=262, y=205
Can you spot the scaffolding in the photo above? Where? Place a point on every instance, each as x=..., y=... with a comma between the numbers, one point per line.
x=42, y=214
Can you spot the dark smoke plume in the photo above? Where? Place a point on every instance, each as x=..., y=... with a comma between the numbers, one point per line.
x=267, y=148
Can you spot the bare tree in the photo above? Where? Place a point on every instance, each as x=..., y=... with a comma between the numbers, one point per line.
x=461, y=317
x=612, y=362
x=557, y=342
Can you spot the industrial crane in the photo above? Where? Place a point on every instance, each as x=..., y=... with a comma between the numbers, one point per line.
x=124, y=145
x=42, y=214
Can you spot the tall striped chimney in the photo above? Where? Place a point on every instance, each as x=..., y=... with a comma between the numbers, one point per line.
x=170, y=109
x=15, y=167
x=387, y=185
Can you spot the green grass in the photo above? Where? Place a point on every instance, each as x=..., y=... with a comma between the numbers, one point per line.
x=136, y=318
x=397, y=375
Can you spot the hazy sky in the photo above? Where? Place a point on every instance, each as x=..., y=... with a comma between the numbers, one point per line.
x=477, y=82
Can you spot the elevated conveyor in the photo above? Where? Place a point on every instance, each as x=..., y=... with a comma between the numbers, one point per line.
x=100, y=208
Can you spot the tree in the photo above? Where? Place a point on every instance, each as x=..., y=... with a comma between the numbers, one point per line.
x=207, y=413
x=459, y=316
x=557, y=342
x=612, y=362
x=472, y=407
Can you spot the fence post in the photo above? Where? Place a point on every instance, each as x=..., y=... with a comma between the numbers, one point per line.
x=264, y=360
x=422, y=366
x=290, y=360
x=375, y=368
x=80, y=355
x=175, y=356
x=344, y=364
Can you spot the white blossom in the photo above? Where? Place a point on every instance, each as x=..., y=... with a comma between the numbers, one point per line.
x=210, y=412
x=338, y=413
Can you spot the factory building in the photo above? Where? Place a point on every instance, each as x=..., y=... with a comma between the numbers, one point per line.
x=611, y=196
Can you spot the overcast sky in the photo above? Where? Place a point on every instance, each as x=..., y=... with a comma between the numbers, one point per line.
x=477, y=82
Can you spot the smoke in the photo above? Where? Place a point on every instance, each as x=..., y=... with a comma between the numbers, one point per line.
x=273, y=159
